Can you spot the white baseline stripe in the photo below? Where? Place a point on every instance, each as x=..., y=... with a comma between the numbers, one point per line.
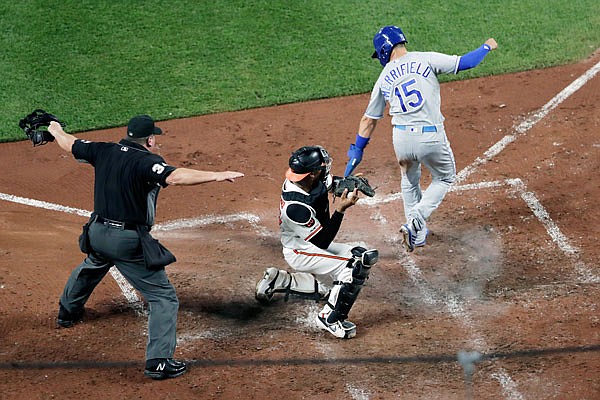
x=585, y=273
x=528, y=123
x=44, y=204
x=128, y=290
x=252, y=219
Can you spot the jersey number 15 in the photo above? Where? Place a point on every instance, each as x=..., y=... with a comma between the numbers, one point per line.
x=409, y=96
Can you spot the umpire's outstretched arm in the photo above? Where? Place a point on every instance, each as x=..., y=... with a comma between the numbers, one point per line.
x=180, y=176
x=187, y=176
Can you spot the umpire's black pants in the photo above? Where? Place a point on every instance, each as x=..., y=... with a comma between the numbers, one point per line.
x=121, y=248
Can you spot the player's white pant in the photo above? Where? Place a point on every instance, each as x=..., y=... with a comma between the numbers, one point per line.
x=433, y=150
x=326, y=266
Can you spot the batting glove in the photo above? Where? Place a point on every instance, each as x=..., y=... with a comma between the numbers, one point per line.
x=355, y=154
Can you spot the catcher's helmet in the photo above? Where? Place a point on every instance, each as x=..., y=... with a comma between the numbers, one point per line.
x=385, y=40
x=308, y=159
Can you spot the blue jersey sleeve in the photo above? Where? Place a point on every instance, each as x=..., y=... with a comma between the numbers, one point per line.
x=473, y=58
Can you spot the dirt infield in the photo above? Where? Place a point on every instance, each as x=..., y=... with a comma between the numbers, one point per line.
x=501, y=304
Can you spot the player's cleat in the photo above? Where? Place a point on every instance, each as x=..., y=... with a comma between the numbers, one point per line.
x=66, y=319
x=421, y=238
x=339, y=329
x=408, y=237
x=265, y=287
x=163, y=368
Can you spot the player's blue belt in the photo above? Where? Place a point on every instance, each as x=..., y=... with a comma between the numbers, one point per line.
x=417, y=128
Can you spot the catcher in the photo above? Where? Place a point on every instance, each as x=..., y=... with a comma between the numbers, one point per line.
x=323, y=269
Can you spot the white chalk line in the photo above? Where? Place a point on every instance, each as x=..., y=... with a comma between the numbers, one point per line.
x=128, y=291
x=528, y=123
x=44, y=204
x=455, y=306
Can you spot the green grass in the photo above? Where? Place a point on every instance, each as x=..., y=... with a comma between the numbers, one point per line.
x=95, y=63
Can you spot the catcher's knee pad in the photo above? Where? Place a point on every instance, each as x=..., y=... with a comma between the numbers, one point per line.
x=361, y=263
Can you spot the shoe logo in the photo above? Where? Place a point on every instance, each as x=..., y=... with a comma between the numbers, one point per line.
x=161, y=366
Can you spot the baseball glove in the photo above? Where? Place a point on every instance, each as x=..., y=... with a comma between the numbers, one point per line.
x=352, y=182
x=32, y=123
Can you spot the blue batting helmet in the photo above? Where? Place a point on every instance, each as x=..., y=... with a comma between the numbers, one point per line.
x=385, y=40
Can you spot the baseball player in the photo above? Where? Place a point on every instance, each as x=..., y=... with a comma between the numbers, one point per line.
x=323, y=269
x=410, y=85
x=128, y=177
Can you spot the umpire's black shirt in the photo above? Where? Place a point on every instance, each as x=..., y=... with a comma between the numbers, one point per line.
x=127, y=179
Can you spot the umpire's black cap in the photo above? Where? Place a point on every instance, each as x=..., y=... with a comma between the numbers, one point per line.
x=142, y=126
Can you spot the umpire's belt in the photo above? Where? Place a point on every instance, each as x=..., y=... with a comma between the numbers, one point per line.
x=116, y=224
x=417, y=128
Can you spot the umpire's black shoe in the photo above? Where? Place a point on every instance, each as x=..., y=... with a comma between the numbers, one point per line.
x=163, y=368
x=66, y=319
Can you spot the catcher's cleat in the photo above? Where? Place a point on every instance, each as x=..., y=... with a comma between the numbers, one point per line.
x=408, y=237
x=421, y=238
x=339, y=329
x=66, y=319
x=265, y=287
x=163, y=368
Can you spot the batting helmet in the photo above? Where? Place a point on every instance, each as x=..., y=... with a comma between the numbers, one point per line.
x=308, y=159
x=385, y=40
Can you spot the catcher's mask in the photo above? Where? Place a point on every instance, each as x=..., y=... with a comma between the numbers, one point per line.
x=309, y=159
x=385, y=40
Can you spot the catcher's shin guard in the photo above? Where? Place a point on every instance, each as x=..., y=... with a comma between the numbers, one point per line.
x=346, y=297
x=360, y=264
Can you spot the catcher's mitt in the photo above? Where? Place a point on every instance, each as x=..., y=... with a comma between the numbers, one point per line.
x=352, y=182
x=32, y=123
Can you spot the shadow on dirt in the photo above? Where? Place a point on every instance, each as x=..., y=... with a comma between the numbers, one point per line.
x=427, y=359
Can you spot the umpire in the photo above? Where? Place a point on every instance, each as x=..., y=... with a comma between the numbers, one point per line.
x=128, y=177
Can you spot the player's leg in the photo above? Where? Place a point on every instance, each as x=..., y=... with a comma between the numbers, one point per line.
x=406, y=148
x=123, y=248
x=300, y=284
x=163, y=305
x=80, y=285
x=442, y=167
x=310, y=278
x=436, y=155
x=412, y=197
x=349, y=279
x=82, y=282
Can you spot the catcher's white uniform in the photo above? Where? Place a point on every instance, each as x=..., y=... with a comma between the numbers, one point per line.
x=307, y=233
x=316, y=268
